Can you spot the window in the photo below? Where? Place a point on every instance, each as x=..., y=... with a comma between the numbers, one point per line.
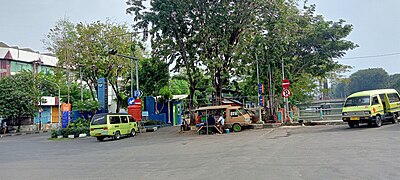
x=115, y=120
x=393, y=98
x=124, y=119
x=131, y=119
x=99, y=119
x=375, y=100
x=234, y=113
x=357, y=101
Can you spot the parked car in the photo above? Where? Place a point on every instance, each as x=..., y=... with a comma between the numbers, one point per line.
x=371, y=107
x=112, y=125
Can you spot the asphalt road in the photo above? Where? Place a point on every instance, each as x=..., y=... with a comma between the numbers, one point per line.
x=319, y=152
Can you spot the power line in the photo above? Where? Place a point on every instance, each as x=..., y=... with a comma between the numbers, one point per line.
x=373, y=56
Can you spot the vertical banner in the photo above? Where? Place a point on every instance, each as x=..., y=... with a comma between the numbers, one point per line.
x=65, y=118
x=103, y=94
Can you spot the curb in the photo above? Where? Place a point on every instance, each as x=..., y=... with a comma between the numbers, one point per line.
x=22, y=133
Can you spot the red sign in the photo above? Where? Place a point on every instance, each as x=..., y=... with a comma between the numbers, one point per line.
x=135, y=110
x=285, y=83
x=286, y=93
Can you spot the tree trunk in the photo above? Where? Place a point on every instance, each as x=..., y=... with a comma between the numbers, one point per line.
x=192, y=89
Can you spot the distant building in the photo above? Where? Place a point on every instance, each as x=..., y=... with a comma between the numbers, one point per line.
x=14, y=59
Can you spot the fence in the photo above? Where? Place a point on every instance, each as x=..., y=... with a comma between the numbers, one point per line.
x=321, y=110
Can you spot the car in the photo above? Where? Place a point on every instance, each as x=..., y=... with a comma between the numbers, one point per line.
x=112, y=125
x=371, y=107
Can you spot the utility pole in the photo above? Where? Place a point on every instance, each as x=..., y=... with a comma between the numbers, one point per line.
x=258, y=82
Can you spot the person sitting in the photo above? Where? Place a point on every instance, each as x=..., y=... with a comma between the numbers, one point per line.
x=184, y=126
x=198, y=120
x=211, y=120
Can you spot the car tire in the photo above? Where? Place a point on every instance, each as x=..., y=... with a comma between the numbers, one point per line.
x=100, y=138
x=236, y=127
x=133, y=133
x=395, y=120
x=351, y=124
x=117, y=135
x=378, y=121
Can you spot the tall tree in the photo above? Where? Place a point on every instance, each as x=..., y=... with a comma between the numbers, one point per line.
x=88, y=49
x=368, y=79
x=18, y=97
x=173, y=33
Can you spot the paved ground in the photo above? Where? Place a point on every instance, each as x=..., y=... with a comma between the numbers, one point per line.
x=319, y=152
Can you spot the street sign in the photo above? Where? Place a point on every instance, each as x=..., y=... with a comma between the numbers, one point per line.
x=260, y=88
x=286, y=93
x=138, y=93
x=261, y=100
x=131, y=101
x=285, y=83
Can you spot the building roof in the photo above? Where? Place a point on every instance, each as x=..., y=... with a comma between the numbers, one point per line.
x=2, y=44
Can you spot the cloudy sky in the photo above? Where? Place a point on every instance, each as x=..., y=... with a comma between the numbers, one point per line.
x=376, y=24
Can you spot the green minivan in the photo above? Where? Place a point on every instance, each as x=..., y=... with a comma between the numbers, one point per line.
x=113, y=125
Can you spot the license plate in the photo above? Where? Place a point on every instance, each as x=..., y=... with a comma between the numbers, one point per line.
x=98, y=134
x=354, y=118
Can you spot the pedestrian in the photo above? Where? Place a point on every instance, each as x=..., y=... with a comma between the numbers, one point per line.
x=221, y=122
x=4, y=127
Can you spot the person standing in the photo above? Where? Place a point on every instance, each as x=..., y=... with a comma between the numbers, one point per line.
x=221, y=122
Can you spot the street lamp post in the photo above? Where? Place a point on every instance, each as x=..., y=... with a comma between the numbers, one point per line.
x=258, y=82
x=36, y=64
x=59, y=102
x=115, y=52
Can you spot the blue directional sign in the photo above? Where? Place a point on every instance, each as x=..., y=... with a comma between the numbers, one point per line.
x=131, y=101
x=138, y=93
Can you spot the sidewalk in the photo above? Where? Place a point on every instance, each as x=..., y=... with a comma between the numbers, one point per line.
x=23, y=133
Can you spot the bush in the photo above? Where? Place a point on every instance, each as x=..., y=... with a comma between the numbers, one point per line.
x=81, y=126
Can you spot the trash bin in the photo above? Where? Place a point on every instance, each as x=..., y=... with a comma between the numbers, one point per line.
x=227, y=131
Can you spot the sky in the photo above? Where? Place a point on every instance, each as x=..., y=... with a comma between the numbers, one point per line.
x=376, y=24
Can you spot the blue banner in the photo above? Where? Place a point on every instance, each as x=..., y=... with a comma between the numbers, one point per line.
x=102, y=86
x=65, y=119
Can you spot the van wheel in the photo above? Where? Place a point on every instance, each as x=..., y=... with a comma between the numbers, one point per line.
x=100, y=138
x=351, y=124
x=117, y=135
x=133, y=133
x=378, y=121
x=395, y=120
x=237, y=128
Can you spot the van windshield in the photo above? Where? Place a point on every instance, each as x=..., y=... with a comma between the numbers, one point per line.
x=99, y=119
x=357, y=101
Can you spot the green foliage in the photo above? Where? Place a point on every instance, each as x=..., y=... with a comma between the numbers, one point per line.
x=227, y=37
x=84, y=46
x=179, y=87
x=368, y=79
x=18, y=96
x=87, y=106
x=153, y=75
x=81, y=126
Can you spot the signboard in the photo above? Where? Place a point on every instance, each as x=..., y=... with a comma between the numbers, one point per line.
x=131, y=101
x=138, y=93
x=103, y=94
x=260, y=88
x=65, y=119
x=286, y=93
x=285, y=83
x=65, y=107
x=261, y=100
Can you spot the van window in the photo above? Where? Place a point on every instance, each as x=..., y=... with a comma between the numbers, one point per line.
x=115, y=120
x=99, y=119
x=124, y=119
x=234, y=113
x=375, y=100
x=357, y=101
x=393, y=97
x=131, y=119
